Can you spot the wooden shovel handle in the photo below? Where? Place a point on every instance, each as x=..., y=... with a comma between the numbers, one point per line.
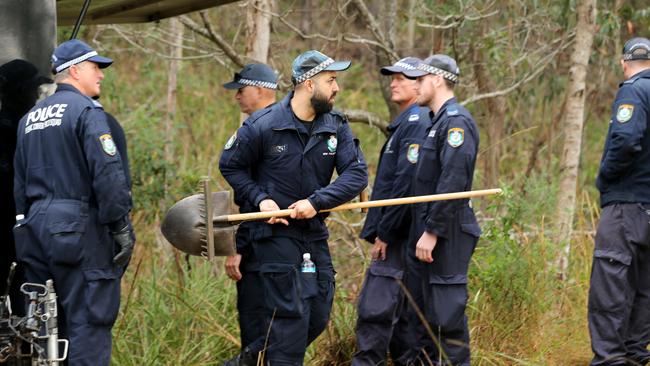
x=355, y=205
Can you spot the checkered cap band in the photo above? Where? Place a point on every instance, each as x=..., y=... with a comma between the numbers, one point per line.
x=318, y=68
x=640, y=51
x=404, y=65
x=75, y=61
x=263, y=84
x=436, y=71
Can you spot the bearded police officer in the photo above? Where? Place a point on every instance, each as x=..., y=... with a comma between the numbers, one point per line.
x=444, y=232
x=256, y=86
x=72, y=202
x=619, y=293
x=383, y=321
x=284, y=157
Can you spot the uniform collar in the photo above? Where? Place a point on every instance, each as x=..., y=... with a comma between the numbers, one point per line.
x=320, y=123
x=67, y=87
x=443, y=110
x=411, y=109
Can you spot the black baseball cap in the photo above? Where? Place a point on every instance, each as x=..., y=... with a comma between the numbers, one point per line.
x=637, y=48
x=405, y=64
x=309, y=64
x=254, y=75
x=442, y=65
x=73, y=52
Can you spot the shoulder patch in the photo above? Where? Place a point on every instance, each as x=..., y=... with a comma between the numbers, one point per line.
x=412, y=153
x=414, y=117
x=107, y=144
x=455, y=137
x=231, y=141
x=624, y=112
x=332, y=142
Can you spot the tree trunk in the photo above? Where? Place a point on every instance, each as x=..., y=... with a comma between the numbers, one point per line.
x=176, y=52
x=410, y=26
x=493, y=120
x=573, y=119
x=306, y=21
x=258, y=29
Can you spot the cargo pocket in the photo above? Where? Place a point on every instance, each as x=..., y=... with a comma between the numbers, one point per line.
x=102, y=296
x=380, y=295
x=609, y=280
x=66, y=245
x=282, y=289
x=446, y=300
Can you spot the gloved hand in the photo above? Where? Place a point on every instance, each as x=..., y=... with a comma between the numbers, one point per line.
x=125, y=239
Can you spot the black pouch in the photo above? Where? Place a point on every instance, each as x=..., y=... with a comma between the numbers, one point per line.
x=282, y=289
x=380, y=296
x=102, y=295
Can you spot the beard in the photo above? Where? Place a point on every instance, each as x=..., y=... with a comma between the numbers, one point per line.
x=321, y=103
x=424, y=100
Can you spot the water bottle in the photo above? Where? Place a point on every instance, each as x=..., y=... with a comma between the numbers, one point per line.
x=307, y=265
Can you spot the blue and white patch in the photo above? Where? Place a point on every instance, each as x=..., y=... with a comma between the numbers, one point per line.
x=414, y=117
x=432, y=133
x=452, y=112
x=231, y=141
x=624, y=113
x=107, y=144
x=331, y=143
x=455, y=137
x=412, y=153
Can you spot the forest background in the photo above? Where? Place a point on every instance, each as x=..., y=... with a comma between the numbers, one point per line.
x=542, y=110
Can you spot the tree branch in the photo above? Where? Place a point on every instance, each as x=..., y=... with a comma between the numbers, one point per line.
x=209, y=33
x=371, y=119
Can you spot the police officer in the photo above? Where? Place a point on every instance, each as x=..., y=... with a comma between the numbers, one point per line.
x=382, y=321
x=72, y=202
x=19, y=84
x=619, y=293
x=284, y=157
x=256, y=86
x=444, y=232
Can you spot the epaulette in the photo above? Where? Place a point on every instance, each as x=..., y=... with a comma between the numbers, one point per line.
x=413, y=117
x=258, y=114
x=97, y=104
x=452, y=111
x=338, y=113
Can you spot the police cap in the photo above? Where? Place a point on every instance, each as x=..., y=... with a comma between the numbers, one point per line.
x=73, y=52
x=254, y=75
x=442, y=65
x=636, y=49
x=405, y=64
x=310, y=63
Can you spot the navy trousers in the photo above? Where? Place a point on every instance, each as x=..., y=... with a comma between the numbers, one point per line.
x=619, y=291
x=383, y=317
x=297, y=305
x=62, y=240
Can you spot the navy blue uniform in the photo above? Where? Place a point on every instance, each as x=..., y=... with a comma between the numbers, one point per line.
x=382, y=322
x=70, y=185
x=446, y=164
x=619, y=293
x=274, y=156
x=250, y=293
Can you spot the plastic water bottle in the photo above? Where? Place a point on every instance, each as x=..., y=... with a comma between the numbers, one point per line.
x=307, y=265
